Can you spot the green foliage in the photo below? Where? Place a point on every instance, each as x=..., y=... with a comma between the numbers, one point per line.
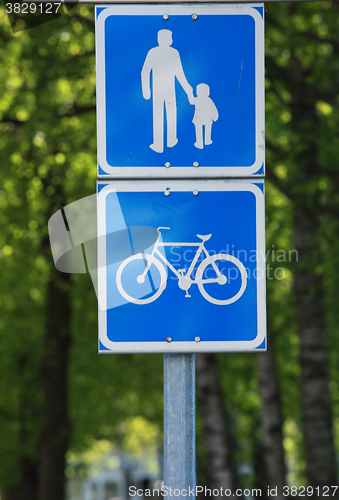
x=302, y=48
x=48, y=146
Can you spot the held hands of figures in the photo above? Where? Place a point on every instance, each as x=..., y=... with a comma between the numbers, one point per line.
x=147, y=94
x=190, y=96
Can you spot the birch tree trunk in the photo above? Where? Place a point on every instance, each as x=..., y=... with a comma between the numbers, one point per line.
x=221, y=470
x=316, y=403
x=271, y=423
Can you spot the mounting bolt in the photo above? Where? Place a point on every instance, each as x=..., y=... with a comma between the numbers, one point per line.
x=197, y=339
x=169, y=340
x=166, y=17
x=194, y=17
x=167, y=192
x=195, y=192
x=167, y=164
x=196, y=164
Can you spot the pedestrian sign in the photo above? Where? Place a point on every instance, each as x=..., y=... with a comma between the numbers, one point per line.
x=180, y=90
x=181, y=266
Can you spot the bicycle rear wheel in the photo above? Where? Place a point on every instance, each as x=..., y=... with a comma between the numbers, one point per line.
x=218, y=260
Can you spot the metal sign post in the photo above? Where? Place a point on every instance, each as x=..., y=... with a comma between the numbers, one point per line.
x=179, y=424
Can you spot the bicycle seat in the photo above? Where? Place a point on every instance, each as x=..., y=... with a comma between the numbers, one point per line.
x=204, y=237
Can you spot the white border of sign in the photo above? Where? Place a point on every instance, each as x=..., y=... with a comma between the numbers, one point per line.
x=161, y=186
x=184, y=171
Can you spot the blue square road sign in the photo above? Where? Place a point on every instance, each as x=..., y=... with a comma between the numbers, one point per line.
x=180, y=95
x=181, y=266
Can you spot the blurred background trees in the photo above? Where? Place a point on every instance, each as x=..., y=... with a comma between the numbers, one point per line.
x=278, y=411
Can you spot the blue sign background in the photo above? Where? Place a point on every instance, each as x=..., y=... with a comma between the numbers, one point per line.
x=231, y=218
x=216, y=49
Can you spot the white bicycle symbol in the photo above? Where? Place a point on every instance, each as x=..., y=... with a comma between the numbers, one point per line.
x=185, y=280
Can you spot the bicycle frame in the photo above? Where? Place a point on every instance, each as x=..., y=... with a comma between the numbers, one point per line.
x=201, y=248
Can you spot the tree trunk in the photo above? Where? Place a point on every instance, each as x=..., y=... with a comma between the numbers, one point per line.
x=221, y=472
x=55, y=434
x=316, y=403
x=271, y=423
x=28, y=410
x=260, y=481
x=27, y=488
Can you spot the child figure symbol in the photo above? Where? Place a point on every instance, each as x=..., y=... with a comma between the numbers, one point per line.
x=205, y=114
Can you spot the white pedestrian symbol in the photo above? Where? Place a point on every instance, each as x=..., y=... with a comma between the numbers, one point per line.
x=165, y=64
x=205, y=114
x=134, y=270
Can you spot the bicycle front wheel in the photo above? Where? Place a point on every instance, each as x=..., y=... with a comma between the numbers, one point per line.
x=230, y=280
x=130, y=273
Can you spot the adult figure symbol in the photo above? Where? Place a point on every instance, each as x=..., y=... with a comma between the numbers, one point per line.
x=165, y=64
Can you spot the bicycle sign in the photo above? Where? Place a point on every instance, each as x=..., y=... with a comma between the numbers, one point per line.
x=189, y=275
x=185, y=281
